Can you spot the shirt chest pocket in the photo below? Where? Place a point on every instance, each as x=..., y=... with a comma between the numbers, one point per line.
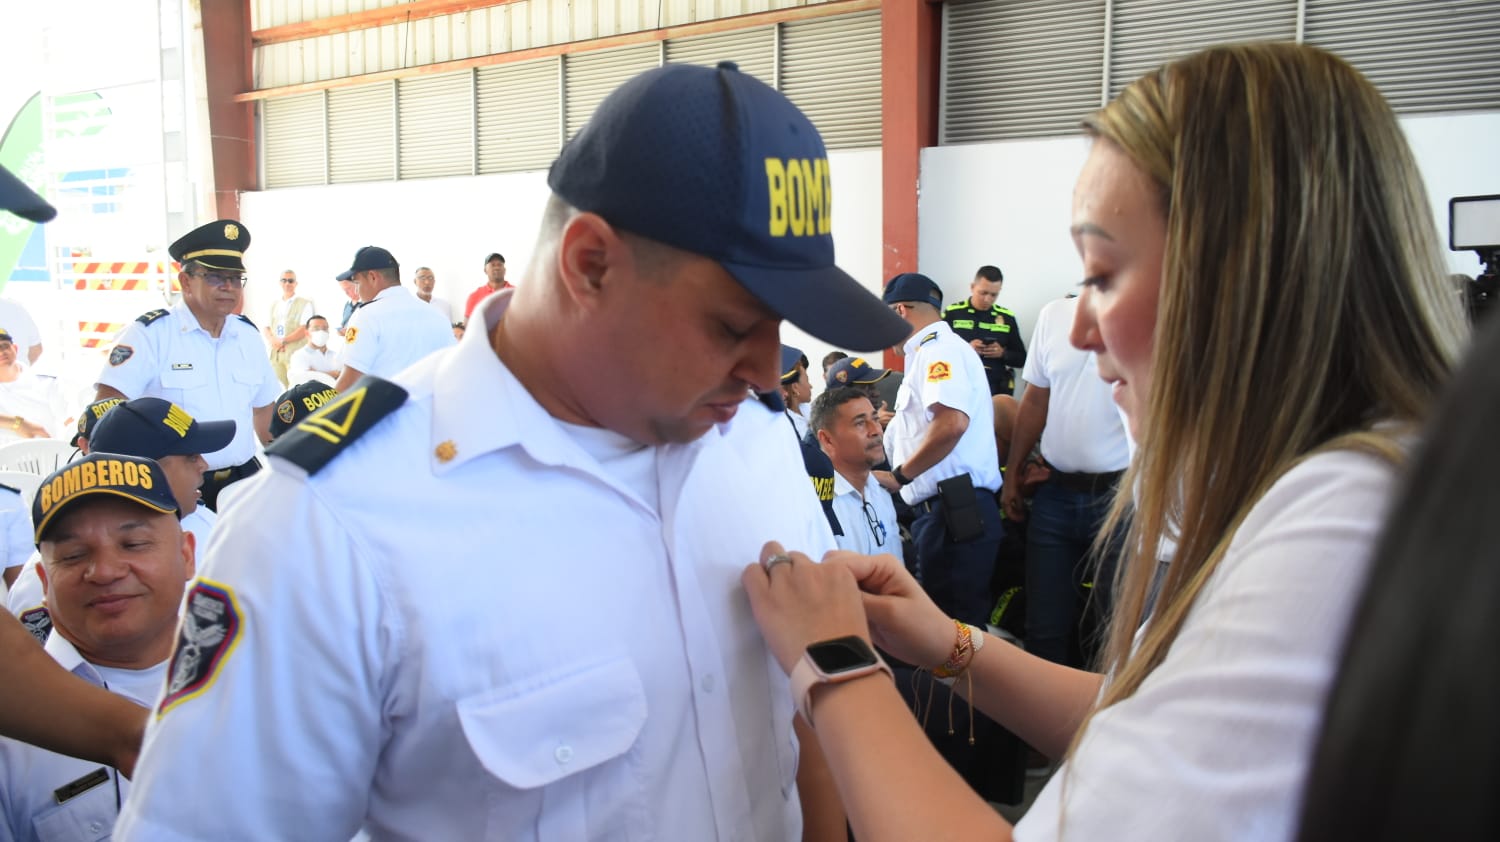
x=562, y=750
x=83, y=818
x=178, y=383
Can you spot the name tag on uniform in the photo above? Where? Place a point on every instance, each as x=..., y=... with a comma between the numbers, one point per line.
x=182, y=366
x=281, y=330
x=69, y=791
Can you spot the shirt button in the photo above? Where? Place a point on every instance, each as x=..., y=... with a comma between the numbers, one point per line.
x=707, y=683
x=95, y=827
x=563, y=754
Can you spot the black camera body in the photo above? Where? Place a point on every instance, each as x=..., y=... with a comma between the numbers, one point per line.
x=1474, y=225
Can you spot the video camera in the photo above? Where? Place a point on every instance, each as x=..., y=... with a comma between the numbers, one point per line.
x=1474, y=225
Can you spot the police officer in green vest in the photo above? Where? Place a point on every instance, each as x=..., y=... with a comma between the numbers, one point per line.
x=990, y=329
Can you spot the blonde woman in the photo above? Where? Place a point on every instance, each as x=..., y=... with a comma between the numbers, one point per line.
x=1248, y=215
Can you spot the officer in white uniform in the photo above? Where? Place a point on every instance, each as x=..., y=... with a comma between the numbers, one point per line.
x=22, y=329
x=942, y=444
x=200, y=355
x=15, y=533
x=392, y=328
x=89, y=510
x=565, y=651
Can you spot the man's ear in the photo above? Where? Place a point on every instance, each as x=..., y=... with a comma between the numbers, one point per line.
x=588, y=248
x=189, y=554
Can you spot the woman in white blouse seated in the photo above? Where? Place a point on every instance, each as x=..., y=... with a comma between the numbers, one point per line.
x=31, y=406
x=1264, y=287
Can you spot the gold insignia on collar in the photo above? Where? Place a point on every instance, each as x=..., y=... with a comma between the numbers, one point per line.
x=231, y=231
x=446, y=451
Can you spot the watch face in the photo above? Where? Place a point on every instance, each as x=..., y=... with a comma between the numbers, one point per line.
x=841, y=654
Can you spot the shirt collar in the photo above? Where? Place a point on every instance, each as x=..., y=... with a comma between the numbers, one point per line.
x=67, y=656
x=842, y=486
x=939, y=327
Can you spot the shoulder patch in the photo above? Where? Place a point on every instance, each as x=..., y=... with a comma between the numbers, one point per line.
x=120, y=353
x=38, y=621
x=246, y=320
x=939, y=371
x=928, y=338
x=210, y=628
x=148, y=318
x=349, y=334
x=320, y=437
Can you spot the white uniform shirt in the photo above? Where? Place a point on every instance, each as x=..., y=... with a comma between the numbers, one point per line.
x=38, y=399
x=29, y=776
x=859, y=534
x=1216, y=743
x=1085, y=432
x=174, y=358
x=549, y=658
x=310, y=363
x=15, y=321
x=442, y=306
x=392, y=331
x=943, y=369
x=15, y=529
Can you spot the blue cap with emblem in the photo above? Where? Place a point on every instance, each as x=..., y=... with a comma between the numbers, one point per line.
x=219, y=245
x=716, y=162
x=790, y=359
x=153, y=428
x=131, y=477
x=21, y=200
x=88, y=419
x=299, y=402
x=912, y=286
x=855, y=371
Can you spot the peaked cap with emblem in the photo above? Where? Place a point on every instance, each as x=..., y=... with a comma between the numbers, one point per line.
x=219, y=245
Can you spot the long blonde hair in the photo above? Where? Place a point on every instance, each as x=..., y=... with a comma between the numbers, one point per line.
x=1303, y=299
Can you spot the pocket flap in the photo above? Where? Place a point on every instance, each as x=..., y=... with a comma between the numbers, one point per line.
x=534, y=735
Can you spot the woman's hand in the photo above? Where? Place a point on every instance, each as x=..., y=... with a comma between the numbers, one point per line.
x=903, y=619
x=798, y=602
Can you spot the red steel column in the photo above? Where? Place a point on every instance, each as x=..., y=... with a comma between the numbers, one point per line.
x=228, y=62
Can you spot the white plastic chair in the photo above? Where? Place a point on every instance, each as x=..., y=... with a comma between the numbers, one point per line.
x=35, y=456
x=24, y=482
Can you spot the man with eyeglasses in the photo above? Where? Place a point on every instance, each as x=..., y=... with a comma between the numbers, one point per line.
x=844, y=421
x=201, y=355
x=285, y=332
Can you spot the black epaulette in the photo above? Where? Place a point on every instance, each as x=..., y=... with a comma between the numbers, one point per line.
x=10, y=488
x=246, y=320
x=148, y=318
x=319, y=437
x=928, y=338
x=38, y=621
x=772, y=401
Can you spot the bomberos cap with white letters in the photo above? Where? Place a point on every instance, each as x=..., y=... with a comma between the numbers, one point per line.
x=299, y=402
x=716, y=162
x=130, y=477
x=220, y=245
x=153, y=428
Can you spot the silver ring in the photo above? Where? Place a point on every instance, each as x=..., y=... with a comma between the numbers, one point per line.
x=779, y=558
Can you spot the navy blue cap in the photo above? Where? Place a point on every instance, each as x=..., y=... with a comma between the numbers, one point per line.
x=716, y=162
x=21, y=200
x=299, y=402
x=790, y=359
x=911, y=286
x=153, y=428
x=367, y=258
x=855, y=371
x=131, y=477
x=220, y=244
x=89, y=417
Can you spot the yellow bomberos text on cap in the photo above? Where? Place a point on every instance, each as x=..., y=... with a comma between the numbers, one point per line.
x=135, y=479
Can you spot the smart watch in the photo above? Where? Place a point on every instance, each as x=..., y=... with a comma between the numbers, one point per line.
x=830, y=662
x=901, y=478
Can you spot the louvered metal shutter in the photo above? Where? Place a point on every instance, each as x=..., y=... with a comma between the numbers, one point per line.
x=831, y=69
x=362, y=133
x=1147, y=33
x=436, y=119
x=1423, y=55
x=1019, y=69
x=519, y=123
x=589, y=77
x=295, y=140
x=754, y=50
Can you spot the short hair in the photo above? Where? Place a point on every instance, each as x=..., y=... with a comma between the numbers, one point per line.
x=314, y=317
x=494, y=256
x=460, y=325
x=825, y=406
x=989, y=273
x=429, y=269
x=832, y=357
x=289, y=272
x=389, y=274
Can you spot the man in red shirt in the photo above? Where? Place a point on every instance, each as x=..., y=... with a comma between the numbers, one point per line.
x=494, y=273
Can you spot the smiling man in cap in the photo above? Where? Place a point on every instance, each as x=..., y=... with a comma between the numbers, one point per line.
x=200, y=355
x=393, y=328
x=565, y=647
x=114, y=566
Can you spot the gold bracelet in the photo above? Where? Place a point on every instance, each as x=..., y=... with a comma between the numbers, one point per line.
x=17, y=422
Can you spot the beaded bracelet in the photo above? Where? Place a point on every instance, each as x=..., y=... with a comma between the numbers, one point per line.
x=969, y=641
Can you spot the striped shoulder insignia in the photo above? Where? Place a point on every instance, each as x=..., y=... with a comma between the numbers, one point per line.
x=148, y=318
x=928, y=338
x=320, y=437
x=1002, y=311
x=246, y=320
